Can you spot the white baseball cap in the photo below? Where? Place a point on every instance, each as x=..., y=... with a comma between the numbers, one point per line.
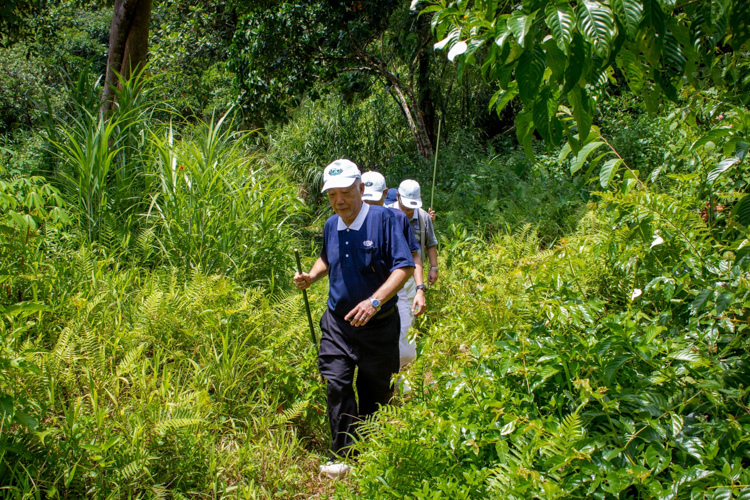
x=340, y=174
x=410, y=193
x=374, y=186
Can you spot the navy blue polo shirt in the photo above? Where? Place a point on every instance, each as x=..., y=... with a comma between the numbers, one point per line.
x=361, y=257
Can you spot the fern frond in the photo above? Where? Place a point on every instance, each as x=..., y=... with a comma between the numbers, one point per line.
x=174, y=424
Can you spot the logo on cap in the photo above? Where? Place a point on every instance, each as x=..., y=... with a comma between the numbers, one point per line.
x=368, y=183
x=335, y=171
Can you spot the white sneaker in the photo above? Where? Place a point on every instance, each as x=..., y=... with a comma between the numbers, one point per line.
x=403, y=386
x=335, y=470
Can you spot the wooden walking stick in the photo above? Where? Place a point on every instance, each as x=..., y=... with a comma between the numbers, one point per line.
x=434, y=170
x=307, y=302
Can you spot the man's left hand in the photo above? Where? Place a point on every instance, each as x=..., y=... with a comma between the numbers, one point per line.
x=360, y=315
x=420, y=304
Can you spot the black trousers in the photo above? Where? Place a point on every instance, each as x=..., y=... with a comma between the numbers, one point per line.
x=372, y=348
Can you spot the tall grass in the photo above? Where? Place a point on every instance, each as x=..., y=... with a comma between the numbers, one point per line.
x=213, y=208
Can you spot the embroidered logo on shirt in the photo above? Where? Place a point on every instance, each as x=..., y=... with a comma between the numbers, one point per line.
x=335, y=171
x=367, y=243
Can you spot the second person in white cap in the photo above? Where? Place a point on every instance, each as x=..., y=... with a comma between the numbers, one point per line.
x=411, y=298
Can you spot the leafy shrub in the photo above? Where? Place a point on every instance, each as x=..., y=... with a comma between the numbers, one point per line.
x=610, y=366
x=160, y=383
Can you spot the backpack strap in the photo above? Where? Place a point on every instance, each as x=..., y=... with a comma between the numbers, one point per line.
x=422, y=233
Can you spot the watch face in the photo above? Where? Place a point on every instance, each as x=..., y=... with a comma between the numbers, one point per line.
x=375, y=302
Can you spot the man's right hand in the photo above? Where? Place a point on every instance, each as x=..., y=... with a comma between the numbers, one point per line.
x=302, y=281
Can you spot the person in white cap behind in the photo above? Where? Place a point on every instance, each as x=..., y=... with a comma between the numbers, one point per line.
x=409, y=201
x=411, y=298
x=367, y=260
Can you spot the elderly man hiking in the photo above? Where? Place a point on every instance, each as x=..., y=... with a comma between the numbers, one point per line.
x=367, y=260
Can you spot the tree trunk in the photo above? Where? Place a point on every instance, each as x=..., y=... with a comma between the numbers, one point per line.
x=128, y=45
x=416, y=123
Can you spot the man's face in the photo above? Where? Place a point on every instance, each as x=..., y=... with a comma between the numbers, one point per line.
x=380, y=202
x=347, y=201
x=408, y=211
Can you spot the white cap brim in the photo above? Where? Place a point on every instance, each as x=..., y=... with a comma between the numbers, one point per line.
x=342, y=182
x=411, y=203
x=372, y=195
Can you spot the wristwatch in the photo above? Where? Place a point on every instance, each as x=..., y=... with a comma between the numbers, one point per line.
x=375, y=303
x=434, y=268
x=421, y=287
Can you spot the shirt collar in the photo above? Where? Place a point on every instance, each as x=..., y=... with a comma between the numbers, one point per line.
x=357, y=224
x=415, y=215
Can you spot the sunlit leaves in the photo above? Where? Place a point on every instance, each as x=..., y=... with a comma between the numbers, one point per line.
x=583, y=155
x=629, y=12
x=632, y=69
x=596, y=23
x=561, y=22
x=722, y=167
x=608, y=171
x=520, y=24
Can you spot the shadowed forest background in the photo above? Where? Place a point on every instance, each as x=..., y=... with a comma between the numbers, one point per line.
x=587, y=337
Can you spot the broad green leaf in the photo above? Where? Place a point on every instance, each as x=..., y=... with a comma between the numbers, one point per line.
x=24, y=308
x=508, y=428
x=25, y=420
x=583, y=154
x=741, y=150
x=685, y=355
x=651, y=333
x=722, y=167
x=501, y=34
x=611, y=368
x=564, y=152
x=631, y=68
x=630, y=13
x=593, y=164
x=712, y=136
x=561, y=22
x=672, y=55
x=724, y=300
x=541, y=114
x=595, y=21
x=653, y=17
x=577, y=51
x=6, y=404
x=529, y=73
x=677, y=423
x=457, y=49
x=700, y=300
x=519, y=24
x=608, y=171
x=582, y=111
x=525, y=131
x=556, y=60
x=720, y=493
x=652, y=97
x=504, y=97
x=741, y=210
